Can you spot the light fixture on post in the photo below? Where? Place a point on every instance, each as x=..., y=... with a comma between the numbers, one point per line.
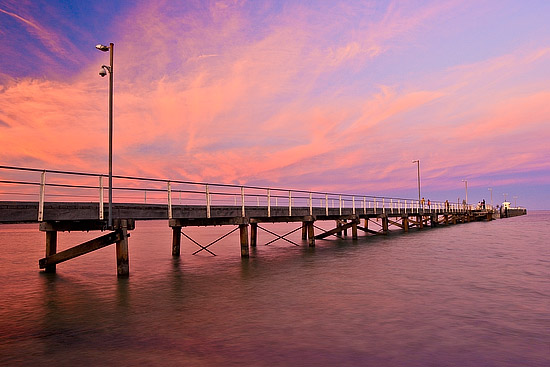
x=103, y=72
x=466, y=183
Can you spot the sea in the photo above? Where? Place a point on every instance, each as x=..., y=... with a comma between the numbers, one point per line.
x=472, y=294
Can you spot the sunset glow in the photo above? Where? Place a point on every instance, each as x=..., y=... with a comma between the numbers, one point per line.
x=335, y=95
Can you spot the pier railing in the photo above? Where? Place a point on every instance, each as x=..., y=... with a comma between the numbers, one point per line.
x=37, y=185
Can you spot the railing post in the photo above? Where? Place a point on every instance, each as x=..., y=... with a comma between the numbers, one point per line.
x=41, y=197
x=340, y=202
x=353, y=204
x=310, y=204
x=207, y=202
x=383, y=206
x=269, y=202
x=375, y=206
x=326, y=205
x=169, y=200
x=289, y=203
x=101, y=198
x=364, y=205
x=242, y=201
x=391, y=205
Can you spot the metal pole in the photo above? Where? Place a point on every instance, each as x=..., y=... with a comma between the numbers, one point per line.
x=466, y=185
x=417, y=161
x=111, y=51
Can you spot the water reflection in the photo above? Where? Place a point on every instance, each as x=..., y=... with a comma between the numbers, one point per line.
x=433, y=297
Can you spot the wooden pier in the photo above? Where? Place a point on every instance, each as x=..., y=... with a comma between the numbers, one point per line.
x=248, y=209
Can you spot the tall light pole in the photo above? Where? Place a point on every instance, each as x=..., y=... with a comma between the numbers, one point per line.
x=491, y=190
x=466, y=183
x=104, y=70
x=515, y=201
x=417, y=161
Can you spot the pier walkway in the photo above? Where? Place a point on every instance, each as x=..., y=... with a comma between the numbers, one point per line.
x=74, y=201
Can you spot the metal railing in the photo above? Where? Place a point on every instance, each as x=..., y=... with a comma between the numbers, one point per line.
x=56, y=186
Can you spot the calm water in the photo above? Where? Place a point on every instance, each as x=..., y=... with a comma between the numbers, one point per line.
x=475, y=294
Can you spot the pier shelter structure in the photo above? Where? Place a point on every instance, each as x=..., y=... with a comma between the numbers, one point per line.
x=74, y=201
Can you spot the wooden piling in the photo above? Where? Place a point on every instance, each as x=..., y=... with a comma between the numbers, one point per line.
x=51, y=249
x=345, y=228
x=311, y=234
x=176, y=241
x=244, y=240
x=385, y=225
x=304, y=231
x=405, y=221
x=123, y=265
x=354, y=229
x=253, y=234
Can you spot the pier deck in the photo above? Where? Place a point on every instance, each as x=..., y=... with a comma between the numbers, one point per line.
x=239, y=206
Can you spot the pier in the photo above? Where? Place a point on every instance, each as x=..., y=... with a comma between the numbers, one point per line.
x=61, y=201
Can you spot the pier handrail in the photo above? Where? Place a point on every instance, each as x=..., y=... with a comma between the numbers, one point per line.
x=263, y=196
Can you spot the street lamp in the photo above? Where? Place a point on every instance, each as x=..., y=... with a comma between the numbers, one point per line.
x=466, y=183
x=515, y=201
x=104, y=70
x=417, y=161
x=491, y=190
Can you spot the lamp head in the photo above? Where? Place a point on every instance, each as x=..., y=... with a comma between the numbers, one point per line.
x=104, y=69
x=101, y=47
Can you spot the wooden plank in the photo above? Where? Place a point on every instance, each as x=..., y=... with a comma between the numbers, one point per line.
x=334, y=231
x=204, y=222
x=283, y=219
x=81, y=249
x=395, y=223
x=367, y=230
x=84, y=225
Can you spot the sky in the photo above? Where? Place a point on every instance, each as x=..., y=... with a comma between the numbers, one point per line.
x=336, y=96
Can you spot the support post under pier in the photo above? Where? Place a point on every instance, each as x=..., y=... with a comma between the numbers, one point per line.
x=244, y=240
x=123, y=264
x=253, y=234
x=176, y=241
x=51, y=249
x=310, y=234
x=385, y=225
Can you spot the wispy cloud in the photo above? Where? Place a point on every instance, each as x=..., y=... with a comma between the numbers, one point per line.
x=222, y=92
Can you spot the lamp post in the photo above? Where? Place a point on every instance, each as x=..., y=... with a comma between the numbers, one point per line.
x=491, y=190
x=417, y=161
x=466, y=185
x=515, y=201
x=104, y=70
